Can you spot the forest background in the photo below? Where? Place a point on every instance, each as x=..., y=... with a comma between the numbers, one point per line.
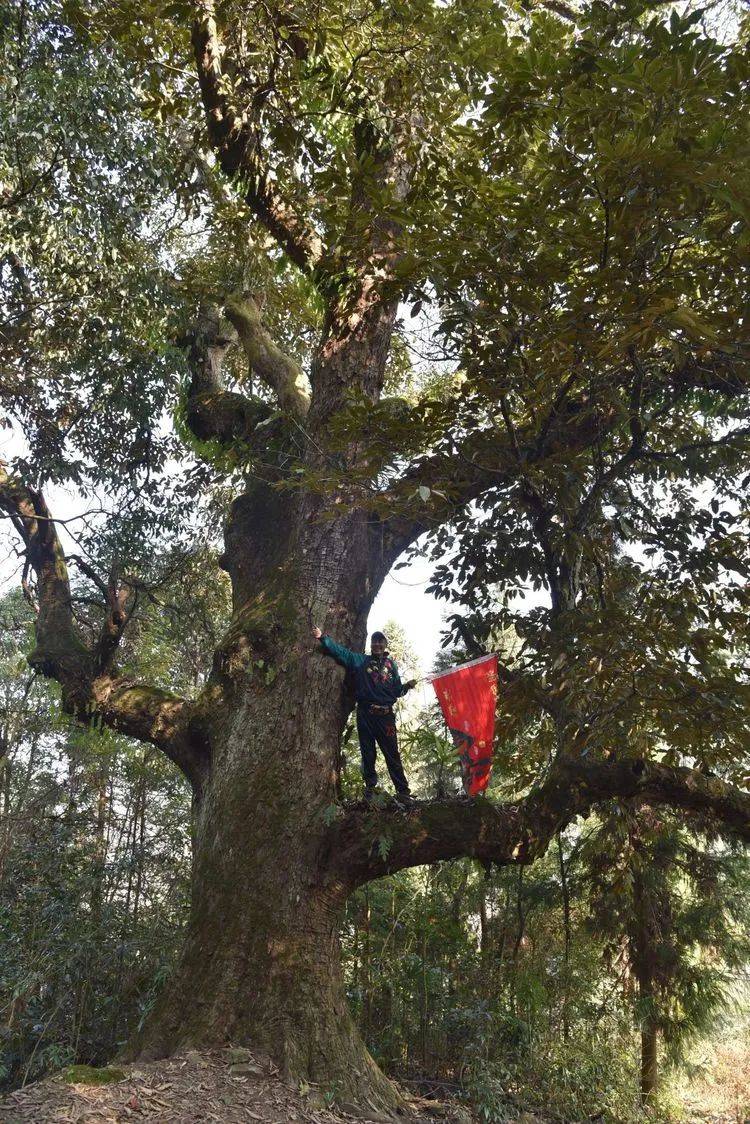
x=558, y=985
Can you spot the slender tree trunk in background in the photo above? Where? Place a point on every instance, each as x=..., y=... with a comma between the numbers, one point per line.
x=140, y=847
x=5, y=830
x=644, y=950
x=130, y=834
x=649, y=1058
x=423, y=998
x=485, y=939
x=100, y=848
x=566, y=924
x=501, y=940
x=367, y=994
x=456, y=974
x=520, y=916
x=520, y=926
x=15, y=801
x=355, y=953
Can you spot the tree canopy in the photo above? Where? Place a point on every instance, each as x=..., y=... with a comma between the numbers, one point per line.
x=468, y=280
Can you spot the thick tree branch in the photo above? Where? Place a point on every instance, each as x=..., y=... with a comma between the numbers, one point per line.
x=120, y=600
x=214, y=413
x=235, y=136
x=268, y=361
x=361, y=310
x=59, y=652
x=89, y=692
x=151, y=715
x=486, y=459
x=121, y=604
x=368, y=842
x=497, y=457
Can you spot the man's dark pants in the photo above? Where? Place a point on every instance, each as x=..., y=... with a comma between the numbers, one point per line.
x=378, y=725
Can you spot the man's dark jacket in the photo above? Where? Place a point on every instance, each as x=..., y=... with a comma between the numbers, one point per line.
x=375, y=678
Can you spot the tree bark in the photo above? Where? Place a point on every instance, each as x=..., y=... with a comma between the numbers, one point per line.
x=261, y=964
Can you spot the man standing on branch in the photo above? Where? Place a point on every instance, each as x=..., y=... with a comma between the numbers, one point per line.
x=377, y=685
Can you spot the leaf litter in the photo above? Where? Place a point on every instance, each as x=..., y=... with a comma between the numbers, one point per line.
x=195, y=1088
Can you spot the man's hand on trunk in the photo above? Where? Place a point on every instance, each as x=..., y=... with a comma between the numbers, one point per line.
x=316, y=632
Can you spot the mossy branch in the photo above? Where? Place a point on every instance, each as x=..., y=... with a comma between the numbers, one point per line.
x=277, y=370
x=213, y=413
x=521, y=831
x=90, y=693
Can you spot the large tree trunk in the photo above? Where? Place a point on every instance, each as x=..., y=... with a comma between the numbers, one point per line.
x=261, y=965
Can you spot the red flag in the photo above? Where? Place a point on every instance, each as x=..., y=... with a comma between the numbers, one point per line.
x=467, y=695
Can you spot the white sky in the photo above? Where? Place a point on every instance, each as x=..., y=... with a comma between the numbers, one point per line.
x=402, y=598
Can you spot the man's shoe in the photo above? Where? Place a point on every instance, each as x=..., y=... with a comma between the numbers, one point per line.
x=405, y=799
x=370, y=790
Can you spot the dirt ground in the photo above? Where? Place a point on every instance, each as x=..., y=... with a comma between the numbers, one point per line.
x=230, y=1087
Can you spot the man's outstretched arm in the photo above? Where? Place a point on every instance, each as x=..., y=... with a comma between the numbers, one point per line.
x=338, y=652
